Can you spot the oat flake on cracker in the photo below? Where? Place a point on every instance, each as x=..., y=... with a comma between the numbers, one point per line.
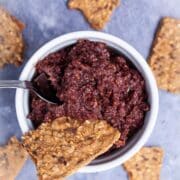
x=97, y=13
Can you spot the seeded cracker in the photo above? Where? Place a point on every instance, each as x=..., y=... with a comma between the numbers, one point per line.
x=96, y=12
x=165, y=56
x=12, y=158
x=145, y=165
x=63, y=146
x=11, y=40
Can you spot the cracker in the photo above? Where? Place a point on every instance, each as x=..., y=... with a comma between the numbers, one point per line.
x=11, y=40
x=165, y=56
x=145, y=165
x=63, y=146
x=96, y=12
x=12, y=158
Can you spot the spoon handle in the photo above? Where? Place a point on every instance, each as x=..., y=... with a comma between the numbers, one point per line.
x=13, y=84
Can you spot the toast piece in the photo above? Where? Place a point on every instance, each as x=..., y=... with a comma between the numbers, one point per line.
x=165, y=56
x=97, y=13
x=145, y=165
x=61, y=147
x=12, y=159
x=11, y=40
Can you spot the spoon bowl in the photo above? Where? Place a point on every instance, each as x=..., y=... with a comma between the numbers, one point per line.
x=41, y=88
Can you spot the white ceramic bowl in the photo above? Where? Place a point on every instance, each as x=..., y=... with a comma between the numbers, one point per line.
x=139, y=139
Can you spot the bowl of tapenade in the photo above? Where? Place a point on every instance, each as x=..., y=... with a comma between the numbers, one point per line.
x=94, y=76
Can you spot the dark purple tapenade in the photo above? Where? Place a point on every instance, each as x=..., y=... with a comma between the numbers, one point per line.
x=93, y=82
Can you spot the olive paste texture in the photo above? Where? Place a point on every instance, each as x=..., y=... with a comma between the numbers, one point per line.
x=93, y=82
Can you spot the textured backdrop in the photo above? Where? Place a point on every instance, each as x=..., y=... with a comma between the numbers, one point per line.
x=135, y=21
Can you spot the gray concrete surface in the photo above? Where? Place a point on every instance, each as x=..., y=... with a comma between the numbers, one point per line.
x=135, y=21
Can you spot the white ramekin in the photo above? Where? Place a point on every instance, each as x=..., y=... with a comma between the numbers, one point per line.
x=139, y=139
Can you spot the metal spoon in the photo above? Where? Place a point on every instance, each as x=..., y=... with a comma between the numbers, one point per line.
x=41, y=88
